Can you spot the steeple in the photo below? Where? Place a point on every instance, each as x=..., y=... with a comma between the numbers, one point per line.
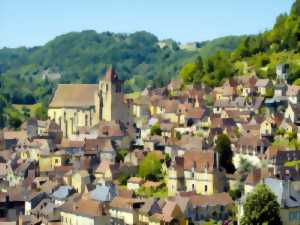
x=111, y=75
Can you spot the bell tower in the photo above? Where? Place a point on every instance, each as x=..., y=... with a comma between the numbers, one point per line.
x=109, y=92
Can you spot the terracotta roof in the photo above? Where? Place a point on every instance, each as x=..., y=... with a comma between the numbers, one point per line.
x=124, y=203
x=135, y=180
x=125, y=193
x=293, y=90
x=83, y=207
x=9, y=135
x=200, y=160
x=255, y=176
x=103, y=167
x=262, y=82
x=167, y=211
x=215, y=199
x=152, y=184
x=66, y=143
x=74, y=95
x=271, y=152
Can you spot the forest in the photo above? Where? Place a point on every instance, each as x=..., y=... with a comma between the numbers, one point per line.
x=255, y=54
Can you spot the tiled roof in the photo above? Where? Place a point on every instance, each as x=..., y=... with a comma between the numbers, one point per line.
x=83, y=207
x=74, y=95
x=212, y=200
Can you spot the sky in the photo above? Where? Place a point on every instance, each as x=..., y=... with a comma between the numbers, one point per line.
x=34, y=22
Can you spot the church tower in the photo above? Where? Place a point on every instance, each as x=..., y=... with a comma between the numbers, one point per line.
x=110, y=99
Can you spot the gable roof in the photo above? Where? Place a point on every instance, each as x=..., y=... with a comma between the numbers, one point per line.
x=88, y=208
x=200, y=160
x=215, y=199
x=103, y=193
x=74, y=95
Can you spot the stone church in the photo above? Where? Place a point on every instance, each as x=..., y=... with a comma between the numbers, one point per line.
x=75, y=106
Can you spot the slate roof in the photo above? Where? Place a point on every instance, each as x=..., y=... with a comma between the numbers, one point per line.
x=103, y=193
x=62, y=192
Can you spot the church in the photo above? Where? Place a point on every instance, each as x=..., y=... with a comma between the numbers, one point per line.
x=76, y=106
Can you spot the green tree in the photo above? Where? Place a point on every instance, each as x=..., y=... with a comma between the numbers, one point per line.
x=261, y=207
x=269, y=93
x=155, y=129
x=150, y=167
x=223, y=148
x=121, y=153
x=3, y=105
x=40, y=112
x=297, y=82
x=187, y=72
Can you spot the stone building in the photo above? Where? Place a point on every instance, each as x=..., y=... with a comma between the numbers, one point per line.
x=75, y=106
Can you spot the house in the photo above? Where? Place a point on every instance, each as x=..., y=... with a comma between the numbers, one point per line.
x=11, y=138
x=255, y=177
x=102, y=147
x=175, y=176
x=200, y=172
x=61, y=194
x=186, y=206
x=278, y=160
x=125, y=210
x=293, y=113
x=134, y=183
x=83, y=212
x=103, y=192
x=12, y=203
x=149, y=208
x=293, y=94
x=248, y=85
x=45, y=212
x=105, y=172
x=80, y=179
x=288, y=126
x=267, y=127
x=134, y=157
x=217, y=206
x=251, y=144
x=32, y=200
x=288, y=199
x=170, y=214
x=263, y=85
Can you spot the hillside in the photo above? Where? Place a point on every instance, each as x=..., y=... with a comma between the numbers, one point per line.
x=255, y=54
x=140, y=59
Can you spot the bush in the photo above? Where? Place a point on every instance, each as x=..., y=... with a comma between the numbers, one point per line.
x=155, y=129
x=269, y=93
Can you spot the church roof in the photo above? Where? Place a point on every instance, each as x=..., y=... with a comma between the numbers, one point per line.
x=74, y=95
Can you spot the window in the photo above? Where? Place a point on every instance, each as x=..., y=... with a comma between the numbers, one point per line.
x=86, y=120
